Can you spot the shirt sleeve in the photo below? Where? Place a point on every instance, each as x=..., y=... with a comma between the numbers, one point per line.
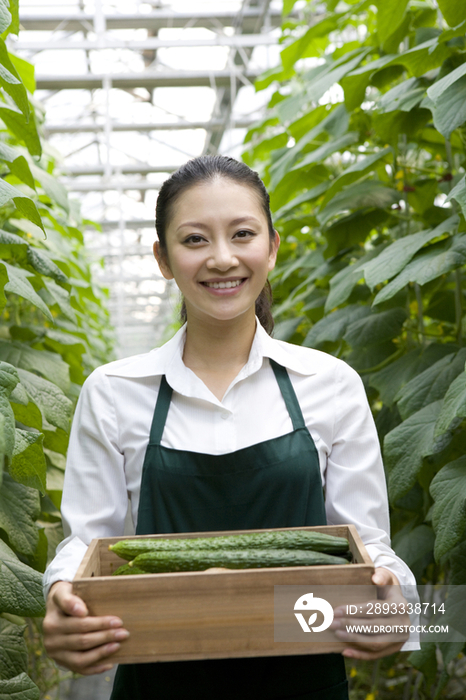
x=356, y=490
x=95, y=496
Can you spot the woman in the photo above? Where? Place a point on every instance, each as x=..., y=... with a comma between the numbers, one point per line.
x=246, y=431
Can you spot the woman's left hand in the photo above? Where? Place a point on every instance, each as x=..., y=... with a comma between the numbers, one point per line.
x=368, y=646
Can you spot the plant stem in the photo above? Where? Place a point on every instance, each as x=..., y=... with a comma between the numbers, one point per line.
x=417, y=291
x=458, y=305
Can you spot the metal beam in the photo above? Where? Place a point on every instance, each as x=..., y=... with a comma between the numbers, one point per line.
x=99, y=169
x=212, y=125
x=155, y=20
x=132, y=224
x=146, y=79
x=238, y=40
x=72, y=185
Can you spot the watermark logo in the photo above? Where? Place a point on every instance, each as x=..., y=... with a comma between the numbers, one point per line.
x=307, y=602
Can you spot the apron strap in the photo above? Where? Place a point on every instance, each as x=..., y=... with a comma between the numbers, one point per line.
x=289, y=395
x=160, y=413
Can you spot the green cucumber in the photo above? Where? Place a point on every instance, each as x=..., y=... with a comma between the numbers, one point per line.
x=127, y=570
x=281, y=539
x=163, y=562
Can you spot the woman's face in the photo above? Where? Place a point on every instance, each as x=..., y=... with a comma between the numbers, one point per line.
x=218, y=249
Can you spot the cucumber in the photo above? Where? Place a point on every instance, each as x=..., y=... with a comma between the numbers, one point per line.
x=160, y=562
x=282, y=539
x=127, y=570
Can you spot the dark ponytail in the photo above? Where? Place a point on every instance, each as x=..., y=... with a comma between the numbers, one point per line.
x=203, y=169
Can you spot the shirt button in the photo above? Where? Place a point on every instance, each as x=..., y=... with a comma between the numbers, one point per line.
x=225, y=415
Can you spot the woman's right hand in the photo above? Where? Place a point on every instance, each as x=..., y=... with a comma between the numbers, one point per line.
x=75, y=639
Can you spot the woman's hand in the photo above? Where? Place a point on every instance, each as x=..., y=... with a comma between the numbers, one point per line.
x=375, y=645
x=75, y=639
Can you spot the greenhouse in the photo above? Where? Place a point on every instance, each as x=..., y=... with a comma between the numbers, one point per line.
x=232, y=349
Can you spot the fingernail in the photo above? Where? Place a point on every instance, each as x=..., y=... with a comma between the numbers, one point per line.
x=116, y=622
x=78, y=608
x=114, y=646
x=121, y=634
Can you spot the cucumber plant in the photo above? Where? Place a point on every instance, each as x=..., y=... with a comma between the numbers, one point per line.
x=54, y=330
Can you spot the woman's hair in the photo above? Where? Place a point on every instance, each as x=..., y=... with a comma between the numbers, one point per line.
x=205, y=169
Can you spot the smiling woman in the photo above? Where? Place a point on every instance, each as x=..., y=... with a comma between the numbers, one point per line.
x=245, y=434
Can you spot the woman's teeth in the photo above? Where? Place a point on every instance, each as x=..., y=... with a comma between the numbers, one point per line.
x=223, y=285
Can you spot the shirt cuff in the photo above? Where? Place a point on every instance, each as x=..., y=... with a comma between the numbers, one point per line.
x=65, y=564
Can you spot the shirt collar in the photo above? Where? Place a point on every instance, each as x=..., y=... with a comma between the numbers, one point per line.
x=168, y=360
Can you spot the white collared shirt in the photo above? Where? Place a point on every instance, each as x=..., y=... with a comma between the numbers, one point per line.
x=111, y=427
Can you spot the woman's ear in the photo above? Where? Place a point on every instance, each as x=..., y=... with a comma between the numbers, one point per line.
x=273, y=251
x=162, y=261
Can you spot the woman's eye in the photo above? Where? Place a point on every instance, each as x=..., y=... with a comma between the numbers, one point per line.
x=195, y=238
x=244, y=234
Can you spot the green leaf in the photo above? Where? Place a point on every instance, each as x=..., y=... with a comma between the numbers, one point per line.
x=375, y=328
x=47, y=364
x=449, y=112
x=369, y=194
x=19, y=509
x=454, y=405
x=25, y=71
x=54, y=405
x=326, y=150
x=28, y=465
x=14, y=26
x=5, y=17
x=306, y=45
x=415, y=545
x=389, y=17
x=53, y=187
x=454, y=11
x=406, y=446
x=20, y=586
x=343, y=283
x=404, y=96
x=20, y=168
x=61, y=297
x=430, y=385
x=397, y=255
x=438, y=88
x=42, y=264
x=24, y=129
x=8, y=380
x=13, y=649
x=430, y=264
x=18, y=283
x=333, y=326
x=459, y=194
x=355, y=172
x=448, y=489
x=19, y=688
x=268, y=77
x=11, y=82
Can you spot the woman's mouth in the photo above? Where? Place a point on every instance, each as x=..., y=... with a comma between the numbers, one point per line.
x=223, y=285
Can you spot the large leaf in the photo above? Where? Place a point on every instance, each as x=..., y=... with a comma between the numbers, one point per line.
x=18, y=283
x=53, y=187
x=54, y=405
x=403, y=96
x=375, y=328
x=449, y=112
x=389, y=16
x=406, y=446
x=304, y=46
x=19, y=688
x=415, y=547
x=19, y=509
x=454, y=405
x=454, y=11
x=459, y=194
x=397, y=255
x=342, y=284
x=8, y=380
x=5, y=16
x=47, y=364
x=11, y=82
x=24, y=203
x=20, y=586
x=430, y=264
x=326, y=150
x=58, y=295
x=355, y=172
x=430, y=385
x=368, y=194
x=13, y=649
x=28, y=463
x=448, y=489
x=333, y=326
x=40, y=261
x=24, y=129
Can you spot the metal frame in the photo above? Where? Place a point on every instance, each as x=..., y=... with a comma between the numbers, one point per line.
x=249, y=28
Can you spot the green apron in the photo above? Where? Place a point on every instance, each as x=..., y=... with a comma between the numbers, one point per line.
x=275, y=483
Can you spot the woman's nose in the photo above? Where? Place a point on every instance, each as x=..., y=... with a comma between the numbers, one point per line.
x=222, y=257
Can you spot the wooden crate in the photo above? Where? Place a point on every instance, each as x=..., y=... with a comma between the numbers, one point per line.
x=207, y=614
